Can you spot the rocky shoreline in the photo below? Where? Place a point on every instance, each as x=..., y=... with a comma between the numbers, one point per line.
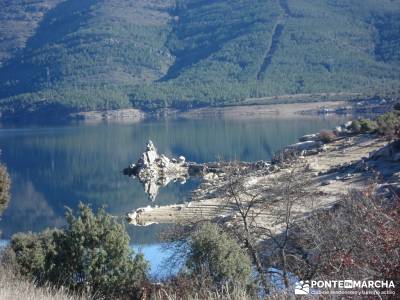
x=244, y=111
x=132, y=115
x=333, y=167
x=283, y=106
x=269, y=107
x=120, y=115
x=156, y=170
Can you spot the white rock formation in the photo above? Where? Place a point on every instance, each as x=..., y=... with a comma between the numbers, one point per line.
x=154, y=170
x=309, y=137
x=308, y=145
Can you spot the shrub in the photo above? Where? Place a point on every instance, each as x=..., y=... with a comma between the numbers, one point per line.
x=327, y=136
x=333, y=253
x=33, y=254
x=368, y=125
x=389, y=124
x=356, y=126
x=213, y=252
x=4, y=188
x=91, y=254
x=364, y=126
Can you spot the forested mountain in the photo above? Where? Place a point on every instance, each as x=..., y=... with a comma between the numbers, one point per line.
x=69, y=55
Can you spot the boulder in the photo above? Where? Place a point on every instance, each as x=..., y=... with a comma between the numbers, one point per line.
x=309, y=137
x=339, y=129
x=348, y=124
x=307, y=145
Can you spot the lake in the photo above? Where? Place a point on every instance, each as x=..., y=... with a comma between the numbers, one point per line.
x=56, y=166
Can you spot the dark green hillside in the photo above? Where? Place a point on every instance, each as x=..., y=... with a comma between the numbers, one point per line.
x=86, y=53
x=267, y=48
x=95, y=54
x=18, y=22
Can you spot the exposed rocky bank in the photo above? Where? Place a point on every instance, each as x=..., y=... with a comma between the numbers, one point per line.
x=333, y=167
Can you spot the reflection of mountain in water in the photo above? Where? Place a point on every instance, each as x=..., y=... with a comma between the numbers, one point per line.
x=53, y=167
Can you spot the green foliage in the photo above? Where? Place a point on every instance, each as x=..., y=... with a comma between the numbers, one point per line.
x=34, y=253
x=92, y=253
x=389, y=124
x=215, y=253
x=95, y=250
x=87, y=55
x=364, y=125
x=18, y=21
x=4, y=188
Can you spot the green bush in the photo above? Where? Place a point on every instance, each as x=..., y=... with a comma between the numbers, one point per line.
x=91, y=254
x=389, y=124
x=364, y=126
x=4, y=188
x=356, y=126
x=34, y=254
x=213, y=252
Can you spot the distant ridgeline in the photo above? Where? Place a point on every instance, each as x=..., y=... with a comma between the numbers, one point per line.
x=74, y=55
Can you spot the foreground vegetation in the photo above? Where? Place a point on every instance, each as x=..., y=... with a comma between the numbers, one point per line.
x=387, y=125
x=235, y=259
x=16, y=287
x=91, y=255
x=4, y=188
x=90, y=55
x=216, y=264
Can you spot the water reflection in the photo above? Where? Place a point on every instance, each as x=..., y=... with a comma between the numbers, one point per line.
x=53, y=167
x=155, y=170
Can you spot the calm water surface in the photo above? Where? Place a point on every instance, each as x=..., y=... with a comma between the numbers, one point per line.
x=57, y=166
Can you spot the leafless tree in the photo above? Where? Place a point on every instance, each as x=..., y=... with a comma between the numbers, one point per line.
x=268, y=210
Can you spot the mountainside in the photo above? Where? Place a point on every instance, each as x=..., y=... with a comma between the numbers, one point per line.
x=70, y=55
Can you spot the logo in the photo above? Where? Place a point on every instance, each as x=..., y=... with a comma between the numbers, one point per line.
x=302, y=288
x=344, y=287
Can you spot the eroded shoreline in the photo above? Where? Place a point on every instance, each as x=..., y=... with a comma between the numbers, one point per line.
x=337, y=167
x=246, y=111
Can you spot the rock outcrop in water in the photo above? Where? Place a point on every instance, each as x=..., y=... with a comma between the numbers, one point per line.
x=154, y=170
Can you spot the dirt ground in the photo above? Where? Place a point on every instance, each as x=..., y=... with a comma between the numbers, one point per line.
x=332, y=173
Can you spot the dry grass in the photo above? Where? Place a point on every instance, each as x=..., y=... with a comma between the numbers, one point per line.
x=162, y=295
x=235, y=295
x=190, y=290
x=12, y=287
